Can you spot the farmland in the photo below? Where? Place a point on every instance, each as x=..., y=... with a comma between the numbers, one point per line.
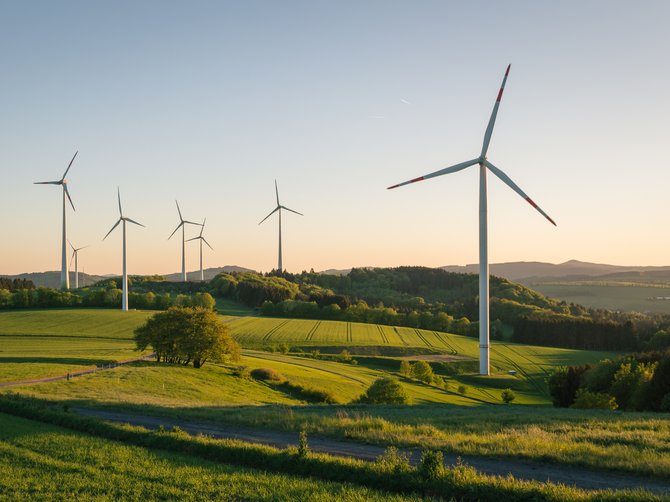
x=610, y=295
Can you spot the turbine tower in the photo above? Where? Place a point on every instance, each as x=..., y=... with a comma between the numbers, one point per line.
x=123, y=219
x=279, y=208
x=201, y=239
x=182, y=224
x=75, y=256
x=64, y=276
x=484, y=164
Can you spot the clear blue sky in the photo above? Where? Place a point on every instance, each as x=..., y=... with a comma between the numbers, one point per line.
x=209, y=102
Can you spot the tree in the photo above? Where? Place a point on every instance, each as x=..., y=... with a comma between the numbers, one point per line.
x=405, y=368
x=187, y=335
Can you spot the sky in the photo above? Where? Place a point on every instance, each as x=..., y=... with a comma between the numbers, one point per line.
x=208, y=103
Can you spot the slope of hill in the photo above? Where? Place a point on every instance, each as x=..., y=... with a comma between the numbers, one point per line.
x=209, y=273
x=51, y=279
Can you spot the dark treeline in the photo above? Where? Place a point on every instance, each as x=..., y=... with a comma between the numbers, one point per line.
x=15, y=284
x=104, y=295
x=434, y=299
x=636, y=382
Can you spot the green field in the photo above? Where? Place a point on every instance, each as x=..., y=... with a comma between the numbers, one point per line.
x=43, y=462
x=613, y=296
x=51, y=342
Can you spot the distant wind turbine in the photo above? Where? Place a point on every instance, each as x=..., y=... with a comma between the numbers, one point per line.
x=278, y=209
x=64, y=276
x=182, y=224
x=75, y=256
x=123, y=219
x=201, y=239
x=484, y=164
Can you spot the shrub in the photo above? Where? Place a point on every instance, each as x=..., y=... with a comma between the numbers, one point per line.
x=267, y=374
x=594, y=400
x=242, y=372
x=284, y=348
x=310, y=394
x=422, y=371
x=405, y=368
x=393, y=460
x=507, y=396
x=344, y=356
x=431, y=466
x=303, y=446
x=462, y=389
x=385, y=390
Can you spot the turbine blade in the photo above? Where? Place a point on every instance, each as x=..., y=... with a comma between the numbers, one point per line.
x=68, y=195
x=47, y=183
x=179, y=211
x=296, y=212
x=494, y=113
x=115, y=225
x=446, y=170
x=277, y=192
x=118, y=193
x=135, y=222
x=175, y=230
x=72, y=257
x=191, y=223
x=193, y=239
x=273, y=212
x=68, y=241
x=69, y=165
x=202, y=227
x=205, y=241
x=506, y=179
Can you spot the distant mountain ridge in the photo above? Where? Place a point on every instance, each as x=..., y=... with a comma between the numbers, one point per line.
x=570, y=270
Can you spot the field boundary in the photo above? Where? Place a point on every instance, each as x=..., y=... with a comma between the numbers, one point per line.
x=75, y=374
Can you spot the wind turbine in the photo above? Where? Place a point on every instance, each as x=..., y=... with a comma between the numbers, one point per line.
x=123, y=219
x=201, y=239
x=484, y=164
x=182, y=224
x=279, y=208
x=75, y=256
x=64, y=276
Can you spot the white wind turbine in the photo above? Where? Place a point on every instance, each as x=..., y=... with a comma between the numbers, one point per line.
x=279, y=208
x=182, y=224
x=201, y=239
x=64, y=276
x=123, y=219
x=484, y=164
x=75, y=257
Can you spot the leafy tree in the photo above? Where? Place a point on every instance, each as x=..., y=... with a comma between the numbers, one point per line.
x=405, y=368
x=186, y=335
x=563, y=384
x=594, y=400
x=507, y=396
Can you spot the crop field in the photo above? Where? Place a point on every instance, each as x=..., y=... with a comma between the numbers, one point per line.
x=614, y=296
x=51, y=342
x=44, y=462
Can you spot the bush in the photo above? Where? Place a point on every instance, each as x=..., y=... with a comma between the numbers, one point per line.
x=303, y=446
x=242, y=372
x=267, y=374
x=507, y=396
x=462, y=389
x=431, y=466
x=594, y=400
x=423, y=372
x=310, y=394
x=385, y=390
x=393, y=460
x=405, y=368
x=284, y=348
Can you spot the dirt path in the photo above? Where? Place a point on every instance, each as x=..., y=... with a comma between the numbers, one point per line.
x=75, y=374
x=521, y=469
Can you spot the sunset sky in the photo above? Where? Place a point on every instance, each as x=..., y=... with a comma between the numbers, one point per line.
x=210, y=102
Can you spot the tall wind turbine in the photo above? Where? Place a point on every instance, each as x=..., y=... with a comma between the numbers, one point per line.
x=201, y=239
x=484, y=164
x=75, y=256
x=182, y=224
x=123, y=219
x=64, y=276
x=278, y=209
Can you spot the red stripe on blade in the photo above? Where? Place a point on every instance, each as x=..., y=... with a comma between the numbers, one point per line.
x=530, y=201
x=508, y=67
x=420, y=178
x=499, y=95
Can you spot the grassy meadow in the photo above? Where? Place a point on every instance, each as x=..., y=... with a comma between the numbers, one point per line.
x=45, y=462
